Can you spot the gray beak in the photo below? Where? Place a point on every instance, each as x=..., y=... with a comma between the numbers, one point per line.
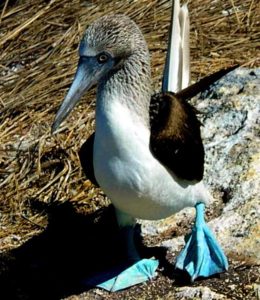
x=88, y=73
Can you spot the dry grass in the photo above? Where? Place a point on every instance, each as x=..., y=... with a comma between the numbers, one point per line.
x=38, y=57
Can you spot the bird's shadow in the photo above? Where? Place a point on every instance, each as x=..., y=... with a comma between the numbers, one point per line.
x=53, y=264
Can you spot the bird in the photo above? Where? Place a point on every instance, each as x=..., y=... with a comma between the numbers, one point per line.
x=146, y=153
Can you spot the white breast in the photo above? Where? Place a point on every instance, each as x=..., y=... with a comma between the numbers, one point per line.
x=126, y=170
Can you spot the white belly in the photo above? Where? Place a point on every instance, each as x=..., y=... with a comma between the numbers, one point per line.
x=131, y=177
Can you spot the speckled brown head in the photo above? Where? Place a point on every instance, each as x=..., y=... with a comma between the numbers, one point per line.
x=116, y=34
x=114, y=54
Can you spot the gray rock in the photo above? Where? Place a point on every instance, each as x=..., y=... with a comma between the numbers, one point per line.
x=203, y=293
x=257, y=291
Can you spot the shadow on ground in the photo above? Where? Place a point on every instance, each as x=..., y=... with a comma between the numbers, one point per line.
x=53, y=264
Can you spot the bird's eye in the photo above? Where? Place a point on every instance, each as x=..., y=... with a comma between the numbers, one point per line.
x=102, y=58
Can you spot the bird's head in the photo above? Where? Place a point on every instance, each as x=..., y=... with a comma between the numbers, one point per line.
x=106, y=44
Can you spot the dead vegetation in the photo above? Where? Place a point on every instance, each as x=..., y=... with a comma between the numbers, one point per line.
x=38, y=57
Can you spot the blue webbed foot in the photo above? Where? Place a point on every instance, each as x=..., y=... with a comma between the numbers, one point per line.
x=202, y=256
x=124, y=276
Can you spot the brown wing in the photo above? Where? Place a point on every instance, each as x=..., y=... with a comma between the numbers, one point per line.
x=86, y=158
x=175, y=129
x=175, y=136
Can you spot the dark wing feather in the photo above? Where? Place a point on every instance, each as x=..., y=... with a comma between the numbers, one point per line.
x=86, y=158
x=175, y=136
x=175, y=130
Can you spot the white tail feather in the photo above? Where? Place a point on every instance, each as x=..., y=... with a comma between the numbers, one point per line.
x=177, y=66
x=185, y=34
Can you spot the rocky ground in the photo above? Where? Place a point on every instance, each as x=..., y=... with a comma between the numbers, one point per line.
x=52, y=264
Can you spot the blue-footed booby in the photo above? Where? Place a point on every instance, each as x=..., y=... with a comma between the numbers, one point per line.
x=146, y=153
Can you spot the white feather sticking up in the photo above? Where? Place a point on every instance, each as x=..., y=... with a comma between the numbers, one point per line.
x=177, y=66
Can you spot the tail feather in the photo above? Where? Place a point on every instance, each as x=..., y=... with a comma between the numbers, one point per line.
x=177, y=66
x=185, y=39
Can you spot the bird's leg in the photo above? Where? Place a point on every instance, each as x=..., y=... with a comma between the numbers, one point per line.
x=202, y=256
x=127, y=232
x=134, y=270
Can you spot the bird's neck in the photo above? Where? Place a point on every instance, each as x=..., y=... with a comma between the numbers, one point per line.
x=129, y=87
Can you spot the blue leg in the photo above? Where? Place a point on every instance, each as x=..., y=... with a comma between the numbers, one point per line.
x=134, y=271
x=202, y=256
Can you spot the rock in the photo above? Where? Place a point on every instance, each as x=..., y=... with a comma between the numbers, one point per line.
x=231, y=135
x=257, y=291
x=203, y=293
x=230, y=112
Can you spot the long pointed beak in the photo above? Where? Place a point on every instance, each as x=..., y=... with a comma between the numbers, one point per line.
x=83, y=80
x=86, y=76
